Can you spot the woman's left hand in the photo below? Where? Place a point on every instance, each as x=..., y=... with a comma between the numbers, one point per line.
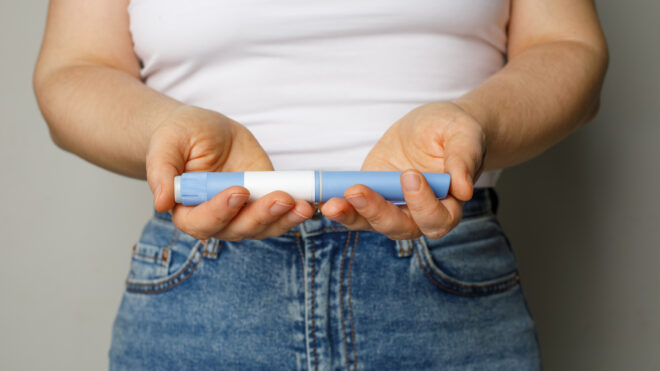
x=436, y=137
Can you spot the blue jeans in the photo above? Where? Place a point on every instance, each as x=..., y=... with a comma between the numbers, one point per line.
x=322, y=297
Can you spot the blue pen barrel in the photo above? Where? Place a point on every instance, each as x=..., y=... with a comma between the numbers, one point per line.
x=385, y=183
x=313, y=186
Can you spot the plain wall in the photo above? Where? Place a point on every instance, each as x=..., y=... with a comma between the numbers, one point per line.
x=583, y=218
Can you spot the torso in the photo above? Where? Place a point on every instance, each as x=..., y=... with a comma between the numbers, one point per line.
x=318, y=82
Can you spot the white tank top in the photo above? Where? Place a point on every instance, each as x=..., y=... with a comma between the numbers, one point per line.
x=318, y=81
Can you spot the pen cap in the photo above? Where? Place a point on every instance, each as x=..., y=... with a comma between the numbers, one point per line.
x=195, y=188
x=190, y=188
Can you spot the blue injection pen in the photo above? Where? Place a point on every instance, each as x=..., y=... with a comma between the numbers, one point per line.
x=314, y=185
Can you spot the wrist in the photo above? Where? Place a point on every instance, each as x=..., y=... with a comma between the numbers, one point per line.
x=482, y=117
x=476, y=111
x=169, y=111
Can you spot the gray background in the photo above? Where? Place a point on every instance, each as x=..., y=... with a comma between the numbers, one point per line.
x=584, y=219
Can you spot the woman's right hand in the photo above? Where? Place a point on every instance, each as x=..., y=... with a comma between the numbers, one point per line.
x=196, y=139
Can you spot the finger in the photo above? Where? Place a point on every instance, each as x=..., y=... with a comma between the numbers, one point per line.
x=455, y=209
x=302, y=211
x=382, y=215
x=461, y=185
x=164, y=162
x=463, y=162
x=205, y=220
x=434, y=218
x=341, y=211
x=257, y=216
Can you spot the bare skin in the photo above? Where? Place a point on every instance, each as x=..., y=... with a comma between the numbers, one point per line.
x=194, y=139
x=438, y=137
x=88, y=86
x=87, y=82
x=550, y=87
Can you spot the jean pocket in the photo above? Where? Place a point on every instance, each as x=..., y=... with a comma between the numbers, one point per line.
x=162, y=259
x=474, y=259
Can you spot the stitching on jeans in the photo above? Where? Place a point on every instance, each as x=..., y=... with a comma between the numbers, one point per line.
x=128, y=282
x=302, y=260
x=341, y=299
x=465, y=286
x=350, y=303
x=183, y=279
x=333, y=229
x=213, y=251
x=210, y=253
x=174, y=238
x=157, y=291
x=445, y=288
x=300, y=254
x=403, y=248
x=220, y=245
x=157, y=283
x=316, y=359
x=330, y=229
x=155, y=259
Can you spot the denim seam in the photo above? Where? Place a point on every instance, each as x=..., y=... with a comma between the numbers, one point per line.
x=484, y=290
x=211, y=249
x=302, y=265
x=468, y=286
x=398, y=248
x=183, y=276
x=341, y=298
x=350, y=302
x=193, y=259
x=326, y=229
x=174, y=238
x=151, y=259
x=312, y=280
x=214, y=251
x=403, y=248
x=300, y=254
x=333, y=229
x=158, y=283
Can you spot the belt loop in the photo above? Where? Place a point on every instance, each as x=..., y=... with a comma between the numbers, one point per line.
x=211, y=248
x=404, y=248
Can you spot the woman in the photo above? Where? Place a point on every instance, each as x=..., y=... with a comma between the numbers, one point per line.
x=154, y=88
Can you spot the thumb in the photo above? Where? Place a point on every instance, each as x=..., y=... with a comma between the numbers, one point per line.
x=164, y=162
x=461, y=174
x=465, y=154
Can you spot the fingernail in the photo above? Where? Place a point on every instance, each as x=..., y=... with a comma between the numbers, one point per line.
x=359, y=202
x=296, y=217
x=236, y=200
x=411, y=182
x=157, y=192
x=278, y=209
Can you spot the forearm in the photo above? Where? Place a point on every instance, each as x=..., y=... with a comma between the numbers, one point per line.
x=101, y=114
x=538, y=98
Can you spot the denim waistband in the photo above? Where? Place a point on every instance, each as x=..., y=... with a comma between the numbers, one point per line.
x=484, y=201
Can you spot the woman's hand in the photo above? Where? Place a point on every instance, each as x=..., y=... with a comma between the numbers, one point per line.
x=437, y=137
x=195, y=139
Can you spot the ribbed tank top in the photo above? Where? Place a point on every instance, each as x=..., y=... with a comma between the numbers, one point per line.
x=318, y=81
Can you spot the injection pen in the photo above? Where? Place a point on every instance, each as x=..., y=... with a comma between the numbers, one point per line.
x=314, y=185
